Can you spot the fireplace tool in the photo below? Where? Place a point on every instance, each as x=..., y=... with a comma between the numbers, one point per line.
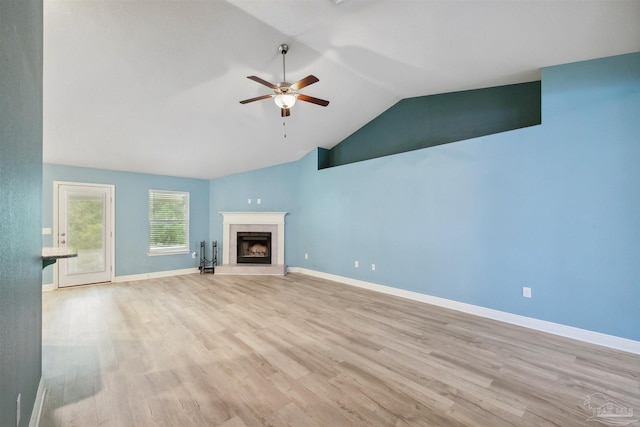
x=208, y=264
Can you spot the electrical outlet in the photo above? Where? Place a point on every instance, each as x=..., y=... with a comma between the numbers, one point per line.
x=46, y=230
x=356, y=264
x=248, y=201
x=18, y=411
x=373, y=267
x=306, y=256
x=526, y=292
x=193, y=255
x=259, y=201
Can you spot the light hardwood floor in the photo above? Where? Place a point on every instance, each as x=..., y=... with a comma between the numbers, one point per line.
x=250, y=351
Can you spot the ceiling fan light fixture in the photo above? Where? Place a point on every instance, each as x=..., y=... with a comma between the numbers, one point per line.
x=284, y=93
x=285, y=100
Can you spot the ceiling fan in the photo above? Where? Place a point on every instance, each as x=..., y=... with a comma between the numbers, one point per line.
x=284, y=93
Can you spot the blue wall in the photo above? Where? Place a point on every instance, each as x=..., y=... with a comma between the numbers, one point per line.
x=132, y=215
x=20, y=190
x=277, y=188
x=554, y=207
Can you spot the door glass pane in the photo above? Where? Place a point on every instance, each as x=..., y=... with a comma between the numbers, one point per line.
x=85, y=232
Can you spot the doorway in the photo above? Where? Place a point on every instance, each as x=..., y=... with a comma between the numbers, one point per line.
x=84, y=224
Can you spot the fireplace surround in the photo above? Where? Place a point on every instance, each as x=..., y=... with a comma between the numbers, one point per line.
x=252, y=224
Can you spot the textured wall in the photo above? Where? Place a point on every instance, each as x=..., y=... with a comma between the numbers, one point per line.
x=20, y=200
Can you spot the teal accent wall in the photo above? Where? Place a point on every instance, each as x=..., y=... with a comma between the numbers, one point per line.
x=20, y=190
x=427, y=121
x=554, y=207
x=132, y=215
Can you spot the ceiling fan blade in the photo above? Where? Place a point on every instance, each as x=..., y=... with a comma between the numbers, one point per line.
x=309, y=80
x=257, y=98
x=262, y=82
x=313, y=100
x=285, y=112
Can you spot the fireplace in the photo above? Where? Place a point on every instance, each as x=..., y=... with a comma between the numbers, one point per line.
x=252, y=243
x=253, y=247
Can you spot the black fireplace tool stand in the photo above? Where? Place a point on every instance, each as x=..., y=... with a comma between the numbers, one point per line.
x=205, y=263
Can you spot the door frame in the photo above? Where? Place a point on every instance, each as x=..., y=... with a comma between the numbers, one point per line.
x=112, y=223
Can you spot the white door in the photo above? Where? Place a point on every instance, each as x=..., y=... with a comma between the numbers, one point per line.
x=84, y=226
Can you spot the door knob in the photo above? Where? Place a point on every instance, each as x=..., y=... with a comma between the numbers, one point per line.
x=63, y=241
x=62, y=234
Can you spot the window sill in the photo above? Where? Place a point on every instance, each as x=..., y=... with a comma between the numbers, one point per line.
x=181, y=252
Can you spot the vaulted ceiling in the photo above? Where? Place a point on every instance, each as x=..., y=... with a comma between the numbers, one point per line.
x=154, y=86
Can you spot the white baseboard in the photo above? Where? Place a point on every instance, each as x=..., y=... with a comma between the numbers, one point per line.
x=154, y=275
x=584, y=335
x=36, y=413
x=133, y=277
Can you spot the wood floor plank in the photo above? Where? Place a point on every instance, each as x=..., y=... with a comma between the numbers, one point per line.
x=245, y=351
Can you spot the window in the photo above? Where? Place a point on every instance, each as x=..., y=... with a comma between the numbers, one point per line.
x=168, y=222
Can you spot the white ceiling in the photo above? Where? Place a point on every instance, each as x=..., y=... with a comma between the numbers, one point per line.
x=153, y=86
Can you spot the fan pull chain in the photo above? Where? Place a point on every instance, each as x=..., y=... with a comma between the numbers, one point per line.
x=285, y=131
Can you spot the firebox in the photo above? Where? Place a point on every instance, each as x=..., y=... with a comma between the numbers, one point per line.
x=254, y=247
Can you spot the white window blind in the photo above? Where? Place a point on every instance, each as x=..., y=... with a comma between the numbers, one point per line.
x=168, y=221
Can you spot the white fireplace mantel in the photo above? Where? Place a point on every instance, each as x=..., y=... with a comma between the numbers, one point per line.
x=253, y=217
x=231, y=221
